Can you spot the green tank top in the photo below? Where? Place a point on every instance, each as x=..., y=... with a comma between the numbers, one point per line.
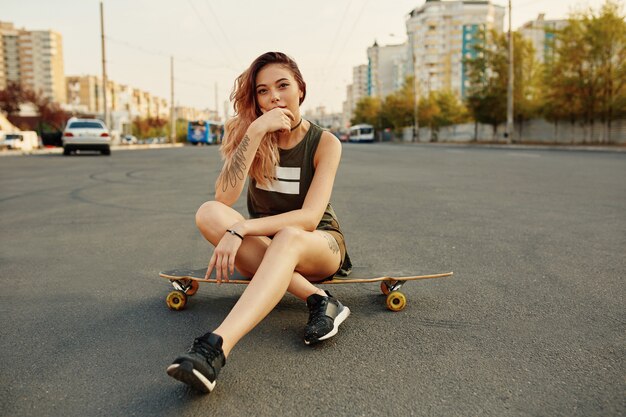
x=293, y=179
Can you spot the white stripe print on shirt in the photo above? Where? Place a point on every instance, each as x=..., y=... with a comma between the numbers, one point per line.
x=287, y=181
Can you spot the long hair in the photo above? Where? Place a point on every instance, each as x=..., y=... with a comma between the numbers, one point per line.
x=247, y=110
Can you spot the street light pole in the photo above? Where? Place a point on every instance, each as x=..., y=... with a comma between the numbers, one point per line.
x=416, y=126
x=104, y=70
x=172, y=108
x=509, y=104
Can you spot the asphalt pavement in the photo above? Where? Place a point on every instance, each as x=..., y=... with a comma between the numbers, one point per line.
x=531, y=324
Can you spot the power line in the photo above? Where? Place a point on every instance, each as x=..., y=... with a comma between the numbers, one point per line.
x=136, y=47
x=206, y=27
x=167, y=55
x=219, y=25
x=339, y=27
x=331, y=67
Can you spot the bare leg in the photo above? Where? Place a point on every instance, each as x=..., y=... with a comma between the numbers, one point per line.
x=272, y=263
x=290, y=249
x=213, y=218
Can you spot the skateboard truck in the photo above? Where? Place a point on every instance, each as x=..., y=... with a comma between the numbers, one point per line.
x=183, y=288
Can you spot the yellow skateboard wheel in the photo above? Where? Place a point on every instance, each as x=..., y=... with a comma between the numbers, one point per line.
x=193, y=289
x=176, y=300
x=396, y=301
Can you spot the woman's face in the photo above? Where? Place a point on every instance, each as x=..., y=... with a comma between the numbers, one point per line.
x=276, y=87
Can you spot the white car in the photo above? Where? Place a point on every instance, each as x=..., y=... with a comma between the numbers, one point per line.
x=86, y=134
x=129, y=140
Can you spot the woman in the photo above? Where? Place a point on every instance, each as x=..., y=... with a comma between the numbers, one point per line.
x=292, y=238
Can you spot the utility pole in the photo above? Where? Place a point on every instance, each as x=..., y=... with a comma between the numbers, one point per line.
x=172, y=107
x=216, y=109
x=416, y=125
x=104, y=70
x=509, y=103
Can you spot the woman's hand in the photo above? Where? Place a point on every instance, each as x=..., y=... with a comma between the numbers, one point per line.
x=276, y=120
x=223, y=259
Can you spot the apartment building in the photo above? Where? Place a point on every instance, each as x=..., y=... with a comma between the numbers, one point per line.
x=541, y=33
x=347, y=107
x=9, y=54
x=440, y=33
x=386, y=67
x=356, y=91
x=34, y=59
x=84, y=94
x=41, y=63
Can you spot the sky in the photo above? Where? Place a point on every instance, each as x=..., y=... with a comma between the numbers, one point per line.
x=213, y=41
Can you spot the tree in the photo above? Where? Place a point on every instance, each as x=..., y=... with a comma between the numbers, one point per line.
x=451, y=109
x=51, y=116
x=587, y=79
x=11, y=98
x=488, y=75
x=149, y=127
x=398, y=107
x=368, y=110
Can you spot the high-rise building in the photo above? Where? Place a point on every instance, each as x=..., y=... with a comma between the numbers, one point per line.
x=347, y=107
x=441, y=33
x=10, y=53
x=355, y=91
x=541, y=33
x=386, y=69
x=34, y=59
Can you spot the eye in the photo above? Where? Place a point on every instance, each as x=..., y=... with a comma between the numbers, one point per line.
x=284, y=85
x=261, y=91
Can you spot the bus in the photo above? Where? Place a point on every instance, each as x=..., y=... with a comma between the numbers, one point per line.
x=361, y=133
x=204, y=132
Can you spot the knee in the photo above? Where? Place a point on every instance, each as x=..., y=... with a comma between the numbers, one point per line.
x=209, y=214
x=288, y=238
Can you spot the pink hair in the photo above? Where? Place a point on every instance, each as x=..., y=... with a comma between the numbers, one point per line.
x=243, y=96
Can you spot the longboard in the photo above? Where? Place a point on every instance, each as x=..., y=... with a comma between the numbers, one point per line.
x=186, y=282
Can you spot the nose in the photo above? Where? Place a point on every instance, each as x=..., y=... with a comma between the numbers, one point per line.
x=275, y=98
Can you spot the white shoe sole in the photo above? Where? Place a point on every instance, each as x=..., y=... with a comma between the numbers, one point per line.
x=194, y=379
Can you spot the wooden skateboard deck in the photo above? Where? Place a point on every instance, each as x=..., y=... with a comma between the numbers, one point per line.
x=186, y=282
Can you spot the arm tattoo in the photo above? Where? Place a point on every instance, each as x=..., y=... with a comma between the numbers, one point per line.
x=236, y=168
x=332, y=243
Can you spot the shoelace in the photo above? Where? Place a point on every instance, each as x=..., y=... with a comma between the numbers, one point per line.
x=205, y=349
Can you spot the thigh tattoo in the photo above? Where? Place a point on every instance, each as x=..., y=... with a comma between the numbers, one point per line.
x=332, y=243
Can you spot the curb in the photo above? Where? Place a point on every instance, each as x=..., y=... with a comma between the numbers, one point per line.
x=518, y=146
x=115, y=148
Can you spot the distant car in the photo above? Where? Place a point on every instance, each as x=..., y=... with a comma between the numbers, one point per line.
x=26, y=140
x=129, y=139
x=13, y=140
x=86, y=134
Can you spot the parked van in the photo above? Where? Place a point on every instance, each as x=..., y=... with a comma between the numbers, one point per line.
x=24, y=140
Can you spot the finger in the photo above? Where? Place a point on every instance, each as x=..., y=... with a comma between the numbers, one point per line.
x=231, y=265
x=210, y=267
x=225, y=268
x=289, y=114
x=218, y=270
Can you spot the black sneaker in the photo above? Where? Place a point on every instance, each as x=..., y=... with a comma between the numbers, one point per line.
x=325, y=316
x=200, y=366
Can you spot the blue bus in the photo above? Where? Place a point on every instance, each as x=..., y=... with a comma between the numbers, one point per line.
x=204, y=132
